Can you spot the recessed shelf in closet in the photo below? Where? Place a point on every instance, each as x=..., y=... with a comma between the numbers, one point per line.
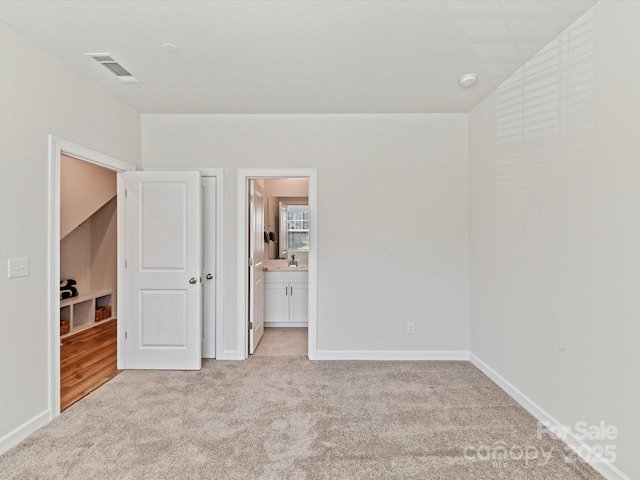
x=81, y=310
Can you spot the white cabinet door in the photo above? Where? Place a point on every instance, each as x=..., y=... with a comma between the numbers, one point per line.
x=299, y=302
x=276, y=302
x=162, y=274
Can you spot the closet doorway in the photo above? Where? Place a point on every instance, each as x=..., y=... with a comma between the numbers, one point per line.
x=88, y=278
x=211, y=330
x=94, y=294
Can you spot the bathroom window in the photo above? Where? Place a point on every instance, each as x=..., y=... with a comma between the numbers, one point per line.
x=298, y=228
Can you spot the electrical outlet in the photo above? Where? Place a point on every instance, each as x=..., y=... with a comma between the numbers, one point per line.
x=410, y=328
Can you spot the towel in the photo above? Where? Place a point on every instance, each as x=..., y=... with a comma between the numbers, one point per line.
x=67, y=289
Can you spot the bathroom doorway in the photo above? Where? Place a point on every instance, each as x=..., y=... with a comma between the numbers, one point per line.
x=278, y=263
x=285, y=238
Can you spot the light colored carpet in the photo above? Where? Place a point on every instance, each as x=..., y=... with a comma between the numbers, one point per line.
x=289, y=418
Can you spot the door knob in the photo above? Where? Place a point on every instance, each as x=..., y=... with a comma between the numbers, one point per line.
x=209, y=276
x=193, y=280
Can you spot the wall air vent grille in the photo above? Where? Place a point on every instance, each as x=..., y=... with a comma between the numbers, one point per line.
x=107, y=61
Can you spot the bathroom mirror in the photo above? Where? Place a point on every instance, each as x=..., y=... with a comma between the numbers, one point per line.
x=279, y=194
x=293, y=231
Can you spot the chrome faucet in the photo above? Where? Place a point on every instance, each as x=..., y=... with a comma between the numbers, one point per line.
x=293, y=262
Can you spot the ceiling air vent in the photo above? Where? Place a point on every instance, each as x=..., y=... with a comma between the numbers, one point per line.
x=107, y=61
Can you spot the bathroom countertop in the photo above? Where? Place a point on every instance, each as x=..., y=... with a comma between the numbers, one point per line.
x=302, y=268
x=283, y=266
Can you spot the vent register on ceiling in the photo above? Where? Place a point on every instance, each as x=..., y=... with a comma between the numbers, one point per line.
x=107, y=61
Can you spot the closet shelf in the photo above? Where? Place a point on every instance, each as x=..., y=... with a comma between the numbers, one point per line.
x=86, y=296
x=81, y=312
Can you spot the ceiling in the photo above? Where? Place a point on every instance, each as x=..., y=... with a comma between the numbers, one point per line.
x=296, y=56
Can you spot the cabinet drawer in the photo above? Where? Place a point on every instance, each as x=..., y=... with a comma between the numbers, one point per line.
x=285, y=277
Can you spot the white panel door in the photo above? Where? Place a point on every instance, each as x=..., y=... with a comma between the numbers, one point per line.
x=162, y=274
x=209, y=267
x=256, y=264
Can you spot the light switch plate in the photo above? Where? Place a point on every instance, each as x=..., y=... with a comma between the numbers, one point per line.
x=18, y=267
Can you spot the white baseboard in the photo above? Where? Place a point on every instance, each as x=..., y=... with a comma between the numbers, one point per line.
x=604, y=468
x=405, y=355
x=15, y=436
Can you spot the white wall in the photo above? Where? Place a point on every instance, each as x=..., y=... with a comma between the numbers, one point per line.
x=392, y=215
x=104, y=250
x=75, y=256
x=39, y=96
x=89, y=253
x=555, y=227
x=287, y=187
x=84, y=188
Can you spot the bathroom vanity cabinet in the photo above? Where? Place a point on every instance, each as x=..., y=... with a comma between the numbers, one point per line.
x=286, y=299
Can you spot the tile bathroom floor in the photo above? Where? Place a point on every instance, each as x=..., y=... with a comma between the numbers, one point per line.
x=283, y=342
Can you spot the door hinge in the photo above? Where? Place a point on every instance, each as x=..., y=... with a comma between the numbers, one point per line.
x=126, y=265
x=251, y=262
x=250, y=325
x=250, y=198
x=125, y=335
x=126, y=193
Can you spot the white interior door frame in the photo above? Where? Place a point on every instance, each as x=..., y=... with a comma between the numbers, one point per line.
x=60, y=146
x=245, y=174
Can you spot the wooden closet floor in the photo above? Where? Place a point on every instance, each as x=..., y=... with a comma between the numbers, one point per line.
x=87, y=360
